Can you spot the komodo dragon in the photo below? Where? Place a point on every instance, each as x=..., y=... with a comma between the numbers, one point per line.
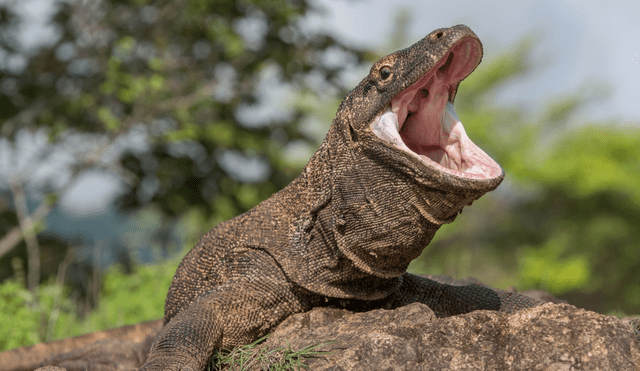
x=395, y=165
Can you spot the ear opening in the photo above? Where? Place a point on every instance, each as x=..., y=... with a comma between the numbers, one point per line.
x=352, y=133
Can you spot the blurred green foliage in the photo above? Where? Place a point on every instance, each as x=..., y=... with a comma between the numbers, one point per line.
x=129, y=298
x=20, y=315
x=28, y=318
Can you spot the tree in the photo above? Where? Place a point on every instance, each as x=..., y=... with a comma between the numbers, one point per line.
x=175, y=99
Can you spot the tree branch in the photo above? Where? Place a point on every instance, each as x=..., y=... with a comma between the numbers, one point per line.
x=26, y=226
x=13, y=238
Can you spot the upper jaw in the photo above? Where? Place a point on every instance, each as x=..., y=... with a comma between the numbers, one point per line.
x=421, y=119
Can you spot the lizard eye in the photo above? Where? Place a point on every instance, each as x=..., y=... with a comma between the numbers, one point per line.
x=385, y=72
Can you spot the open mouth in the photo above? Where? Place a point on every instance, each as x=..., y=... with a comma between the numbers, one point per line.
x=421, y=119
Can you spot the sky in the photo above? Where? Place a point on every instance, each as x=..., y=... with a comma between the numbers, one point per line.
x=579, y=44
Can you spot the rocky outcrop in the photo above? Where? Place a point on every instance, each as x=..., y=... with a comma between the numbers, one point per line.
x=548, y=337
x=122, y=348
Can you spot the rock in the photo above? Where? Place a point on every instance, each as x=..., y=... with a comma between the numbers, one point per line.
x=548, y=337
x=122, y=348
x=104, y=355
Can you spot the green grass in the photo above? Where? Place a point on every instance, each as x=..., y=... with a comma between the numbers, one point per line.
x=250, y=356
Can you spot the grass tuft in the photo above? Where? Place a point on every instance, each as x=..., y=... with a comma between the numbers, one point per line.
x=250, y=357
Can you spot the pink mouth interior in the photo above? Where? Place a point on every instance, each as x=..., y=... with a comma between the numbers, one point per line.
x=430, y=129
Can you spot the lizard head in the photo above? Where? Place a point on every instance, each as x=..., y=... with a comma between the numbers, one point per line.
x=405, y=105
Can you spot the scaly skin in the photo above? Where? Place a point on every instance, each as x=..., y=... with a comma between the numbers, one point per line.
x=345, y=230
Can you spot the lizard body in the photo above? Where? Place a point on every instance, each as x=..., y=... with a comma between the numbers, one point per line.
x=394, y=166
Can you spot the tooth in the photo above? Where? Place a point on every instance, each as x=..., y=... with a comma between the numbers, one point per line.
x=389, y=118
x=384, y=126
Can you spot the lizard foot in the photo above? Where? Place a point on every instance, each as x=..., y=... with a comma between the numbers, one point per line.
x=170, y=363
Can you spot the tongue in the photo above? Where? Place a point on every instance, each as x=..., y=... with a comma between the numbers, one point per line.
x=439, y=143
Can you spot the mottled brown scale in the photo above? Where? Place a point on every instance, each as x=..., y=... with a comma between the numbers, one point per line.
x=342, y=233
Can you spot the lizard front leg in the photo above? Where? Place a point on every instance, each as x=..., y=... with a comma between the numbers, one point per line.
x=448, y=300
x=187, y=341
x=234, y=314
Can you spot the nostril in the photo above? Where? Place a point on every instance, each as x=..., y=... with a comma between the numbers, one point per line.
x=439, y=35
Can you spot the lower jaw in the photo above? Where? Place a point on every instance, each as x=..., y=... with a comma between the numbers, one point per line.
x=467, y=161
